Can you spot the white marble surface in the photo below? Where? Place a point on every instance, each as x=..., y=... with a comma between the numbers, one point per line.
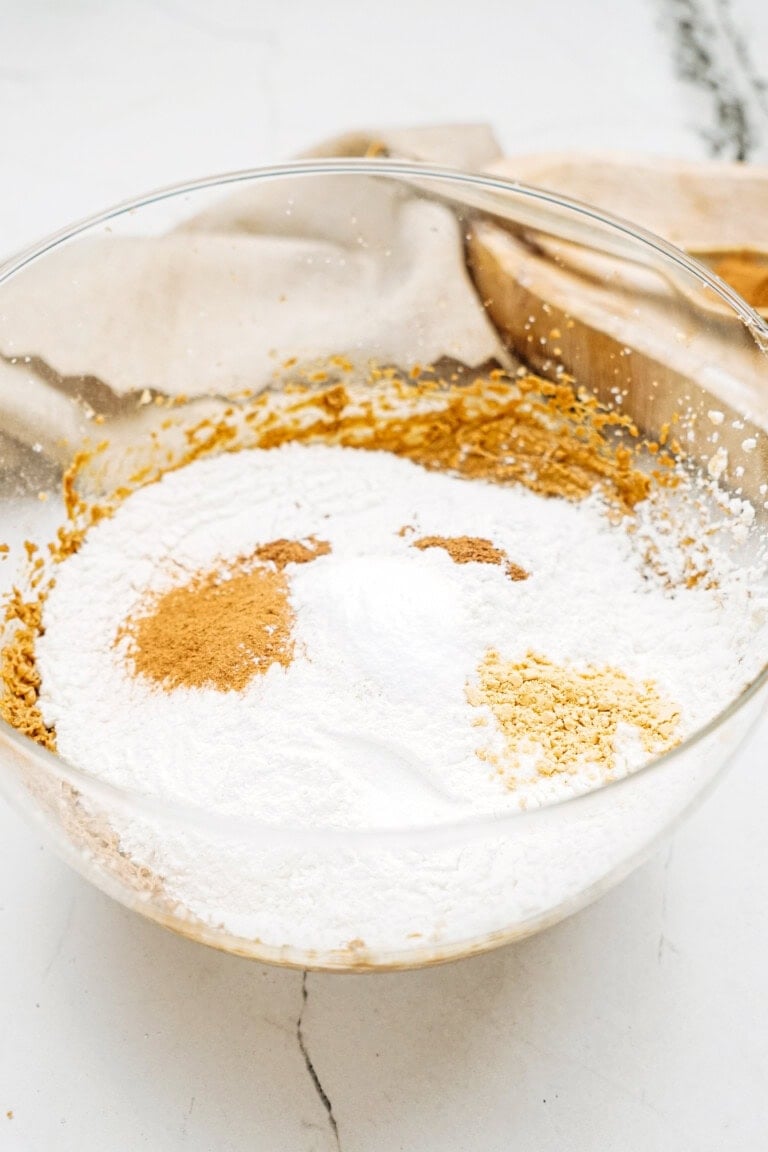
x=639, y=1025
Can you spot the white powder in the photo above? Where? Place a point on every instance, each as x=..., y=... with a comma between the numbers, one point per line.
x=370, y=725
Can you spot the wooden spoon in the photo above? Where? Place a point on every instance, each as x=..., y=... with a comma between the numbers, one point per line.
x=623, y=322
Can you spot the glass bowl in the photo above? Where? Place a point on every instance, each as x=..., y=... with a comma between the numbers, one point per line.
x=177, y=299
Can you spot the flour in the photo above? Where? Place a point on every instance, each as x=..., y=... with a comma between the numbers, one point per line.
x=371, y=725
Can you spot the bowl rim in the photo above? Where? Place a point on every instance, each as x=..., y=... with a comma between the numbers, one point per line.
x=469, y=826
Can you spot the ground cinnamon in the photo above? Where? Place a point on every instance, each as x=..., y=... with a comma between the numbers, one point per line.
x=472, y=549
x=221, y=628
x=282, y=552
x=214, y=631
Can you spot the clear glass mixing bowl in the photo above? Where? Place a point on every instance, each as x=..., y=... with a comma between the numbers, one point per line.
x=178, y=295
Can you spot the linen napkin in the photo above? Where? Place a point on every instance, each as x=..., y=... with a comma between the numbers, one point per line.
x=218, y=304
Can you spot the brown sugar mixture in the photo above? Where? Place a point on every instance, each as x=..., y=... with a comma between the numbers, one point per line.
x=565, y=717
x=223, y=628
x=20, y=678
x=472, y=549
x=554, y=439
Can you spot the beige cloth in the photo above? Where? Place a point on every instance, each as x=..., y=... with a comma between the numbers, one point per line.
x=364, y=267
x=702, y=206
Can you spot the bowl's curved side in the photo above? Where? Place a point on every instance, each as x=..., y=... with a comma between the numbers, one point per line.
x=528, y=870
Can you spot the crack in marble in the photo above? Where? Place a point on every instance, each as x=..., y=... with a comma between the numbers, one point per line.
x=711, y=55
x=322, y=1095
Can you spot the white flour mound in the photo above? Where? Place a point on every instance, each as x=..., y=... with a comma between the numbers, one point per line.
x=370, y=725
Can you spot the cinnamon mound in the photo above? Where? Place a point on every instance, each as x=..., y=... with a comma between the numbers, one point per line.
x=214, y=632
x=472, y=549
x=282, y=552
x=222, y=628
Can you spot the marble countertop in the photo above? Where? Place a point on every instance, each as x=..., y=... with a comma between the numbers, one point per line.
x=639, y=1025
